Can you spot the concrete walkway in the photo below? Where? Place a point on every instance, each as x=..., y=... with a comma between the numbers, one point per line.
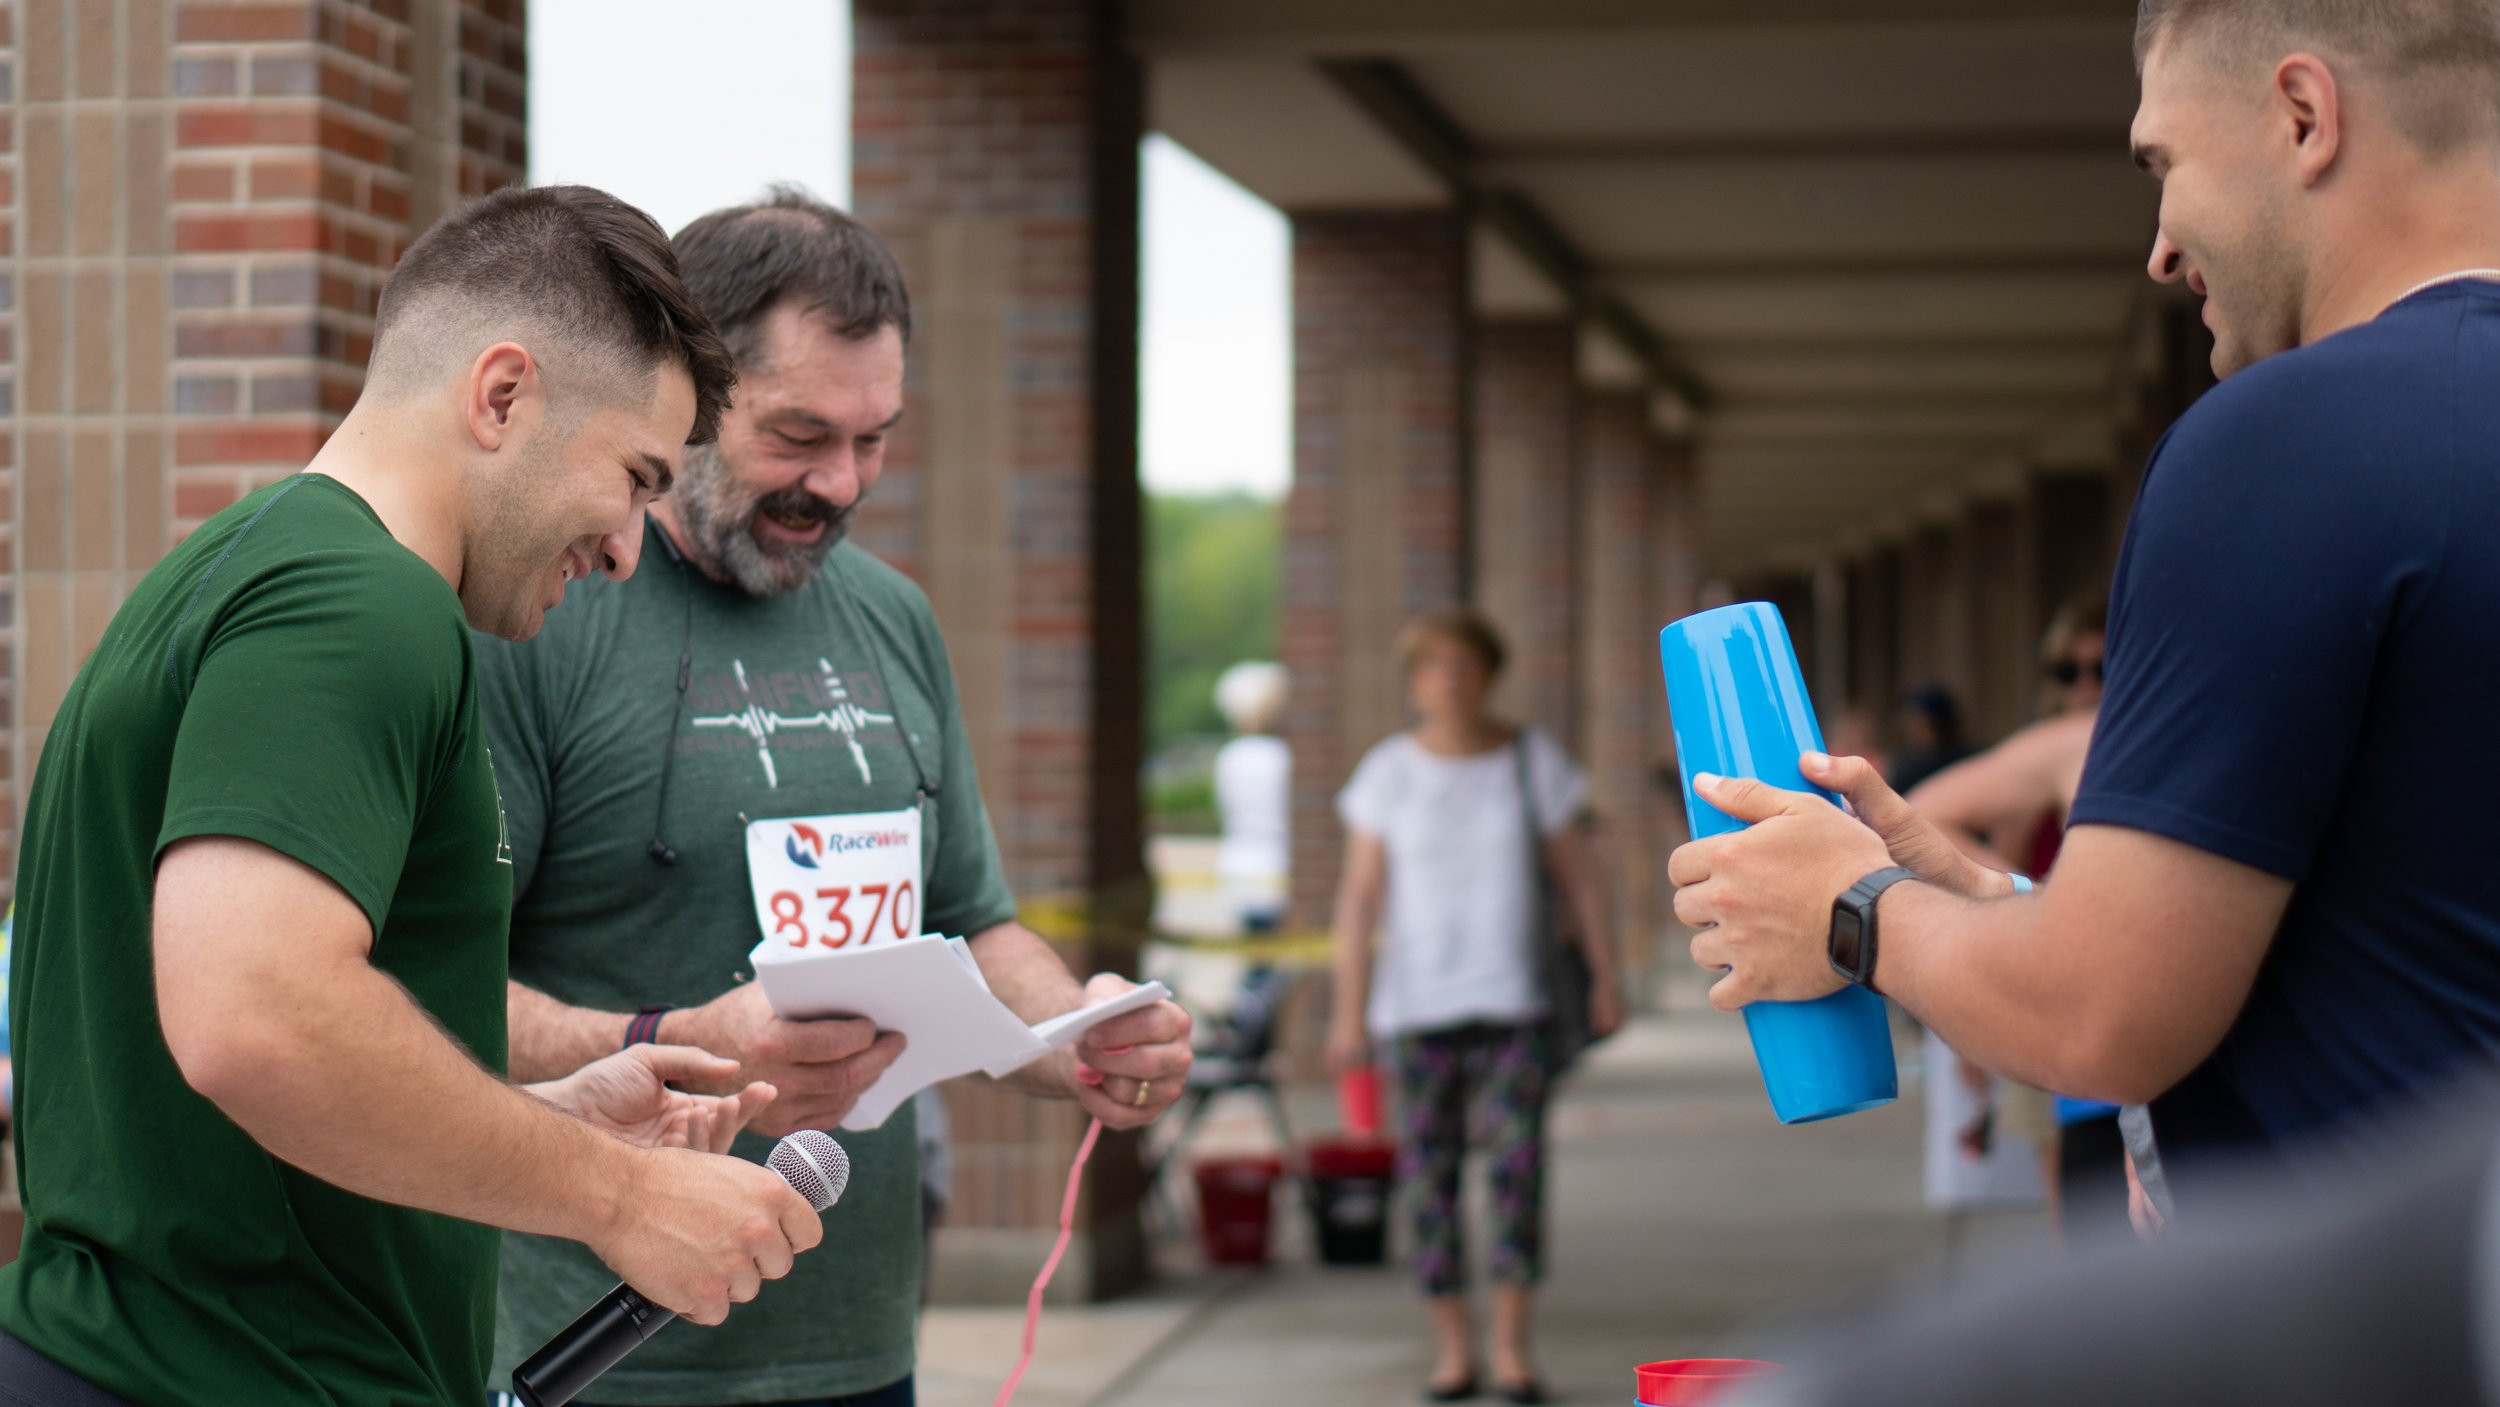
x=1685, y=1222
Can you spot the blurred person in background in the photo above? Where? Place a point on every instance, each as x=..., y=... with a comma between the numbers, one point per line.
x=2007, y=807
x=1253, y=794
x=1455, y=828
x=1931, y=737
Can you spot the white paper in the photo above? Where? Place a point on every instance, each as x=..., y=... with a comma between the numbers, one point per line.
x=930, y=989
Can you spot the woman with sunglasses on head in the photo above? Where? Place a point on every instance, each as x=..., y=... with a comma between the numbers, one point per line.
x=2007, y=806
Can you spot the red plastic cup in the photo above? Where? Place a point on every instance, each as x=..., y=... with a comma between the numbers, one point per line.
x=1689, y=1382
x=1358, y=1102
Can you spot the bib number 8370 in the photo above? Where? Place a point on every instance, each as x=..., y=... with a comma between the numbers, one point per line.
x=893, y=905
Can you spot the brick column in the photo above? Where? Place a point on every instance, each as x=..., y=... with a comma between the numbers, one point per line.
x=996, y=150
x=1874, y=683
x=2001, y=657
x=2066, y=535
x=1527, y=531
x=12, y=89
x=1373, y=525
x=1621, y=698
x=1675, y=585
x=212, y=196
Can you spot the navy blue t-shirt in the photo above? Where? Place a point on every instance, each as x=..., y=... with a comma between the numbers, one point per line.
x=2304, y=676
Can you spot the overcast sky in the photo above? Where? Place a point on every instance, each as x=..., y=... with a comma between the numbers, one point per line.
x=682, y=118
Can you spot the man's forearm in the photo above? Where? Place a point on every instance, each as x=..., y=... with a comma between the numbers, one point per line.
x=1996, y=982
x=1027, y=974
x=550, y=1039
x=346, y=1078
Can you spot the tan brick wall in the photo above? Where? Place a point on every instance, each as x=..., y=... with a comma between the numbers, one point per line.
x=11, y=80
x=1372, y=526
x=1622, y=703
x=93, y=119
x=995, y=148
x=1526, y=508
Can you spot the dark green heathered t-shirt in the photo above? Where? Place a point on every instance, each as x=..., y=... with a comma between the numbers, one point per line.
x=836, y=698
x=294, y=676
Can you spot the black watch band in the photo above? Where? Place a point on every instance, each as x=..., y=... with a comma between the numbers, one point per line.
x=1852, y=944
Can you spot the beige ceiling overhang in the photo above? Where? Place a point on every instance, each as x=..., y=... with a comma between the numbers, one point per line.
x=1885, y=250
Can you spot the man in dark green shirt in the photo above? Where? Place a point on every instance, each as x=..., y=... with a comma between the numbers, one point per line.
x=257, y=996
x=760, y=672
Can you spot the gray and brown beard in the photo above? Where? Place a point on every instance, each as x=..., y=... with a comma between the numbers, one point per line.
x=720, y=519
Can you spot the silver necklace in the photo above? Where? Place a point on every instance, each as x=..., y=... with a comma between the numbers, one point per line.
x=2458, y=277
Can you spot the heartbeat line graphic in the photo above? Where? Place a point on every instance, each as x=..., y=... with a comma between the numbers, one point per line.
x=760, y=723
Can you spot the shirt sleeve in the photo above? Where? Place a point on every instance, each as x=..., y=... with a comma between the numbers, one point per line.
x=968, y=891
x=323, y=711
x=2264, y=570
x=1365, y=802
x=1562, y=789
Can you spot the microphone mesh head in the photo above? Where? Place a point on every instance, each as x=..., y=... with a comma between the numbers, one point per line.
x=814, y=1164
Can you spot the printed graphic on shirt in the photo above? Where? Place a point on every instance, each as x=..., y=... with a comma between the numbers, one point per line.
x=790, y=710
x=503, y=822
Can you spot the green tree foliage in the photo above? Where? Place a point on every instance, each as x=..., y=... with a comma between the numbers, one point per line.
x=1212, y=563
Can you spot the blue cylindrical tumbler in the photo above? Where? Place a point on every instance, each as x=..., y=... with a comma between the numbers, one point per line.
x=1740, y=709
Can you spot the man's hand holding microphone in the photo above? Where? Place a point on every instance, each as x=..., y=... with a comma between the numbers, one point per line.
x=695, y=1232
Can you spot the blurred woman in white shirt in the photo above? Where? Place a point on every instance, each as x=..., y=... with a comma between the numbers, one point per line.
x=1453, y=828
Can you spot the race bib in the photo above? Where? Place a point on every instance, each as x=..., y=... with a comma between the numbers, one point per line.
x=836, y=881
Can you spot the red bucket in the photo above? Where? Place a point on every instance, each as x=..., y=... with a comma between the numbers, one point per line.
x=1358, y=1101
x=1690, y=1382
x=1235, y=1196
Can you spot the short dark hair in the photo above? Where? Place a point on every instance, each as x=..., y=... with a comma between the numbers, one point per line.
x=2438, y=61
x=574, y=263
x=746, y=260
x=1457, y=625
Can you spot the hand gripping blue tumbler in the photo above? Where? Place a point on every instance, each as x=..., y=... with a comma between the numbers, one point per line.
x=1740, y=709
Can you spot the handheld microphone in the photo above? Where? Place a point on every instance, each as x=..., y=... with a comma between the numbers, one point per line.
x=619, y=1323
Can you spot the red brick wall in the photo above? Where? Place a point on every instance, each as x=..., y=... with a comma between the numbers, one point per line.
x=995, y=149
x=1373, y=524
x=1527, y=523
x=292, y=198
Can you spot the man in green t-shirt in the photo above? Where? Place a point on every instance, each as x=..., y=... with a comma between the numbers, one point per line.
x=257, y=984
x=761, y=672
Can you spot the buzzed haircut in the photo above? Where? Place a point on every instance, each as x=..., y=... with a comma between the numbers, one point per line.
x=2436, y=61
x=744, y=261
x=585, y=281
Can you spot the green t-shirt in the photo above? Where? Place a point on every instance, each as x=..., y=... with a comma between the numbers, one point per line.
x=294, y=676
x=835, y=698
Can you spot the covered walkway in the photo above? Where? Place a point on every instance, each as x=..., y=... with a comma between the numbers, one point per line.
x=1686, y=1223
x=1603, y=309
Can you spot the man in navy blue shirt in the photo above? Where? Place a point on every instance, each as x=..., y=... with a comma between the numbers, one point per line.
x=2273, y=918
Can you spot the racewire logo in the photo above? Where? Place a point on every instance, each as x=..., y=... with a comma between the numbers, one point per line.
x=806, y=847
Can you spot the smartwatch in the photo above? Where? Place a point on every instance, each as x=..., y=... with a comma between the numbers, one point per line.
x=1853, y=925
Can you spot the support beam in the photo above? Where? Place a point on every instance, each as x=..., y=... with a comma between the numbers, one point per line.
x=1390, y=96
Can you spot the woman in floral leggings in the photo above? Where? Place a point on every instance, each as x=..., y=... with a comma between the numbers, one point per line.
x=1449, y=825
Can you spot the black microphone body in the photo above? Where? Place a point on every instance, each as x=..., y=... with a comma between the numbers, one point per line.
x=588, y=1347
x=622, y=1320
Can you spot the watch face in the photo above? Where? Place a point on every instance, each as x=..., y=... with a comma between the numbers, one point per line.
x=1848, y=941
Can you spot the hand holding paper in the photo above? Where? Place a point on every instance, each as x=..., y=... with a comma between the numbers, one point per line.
x=929, y=989
x=1131, y=1067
